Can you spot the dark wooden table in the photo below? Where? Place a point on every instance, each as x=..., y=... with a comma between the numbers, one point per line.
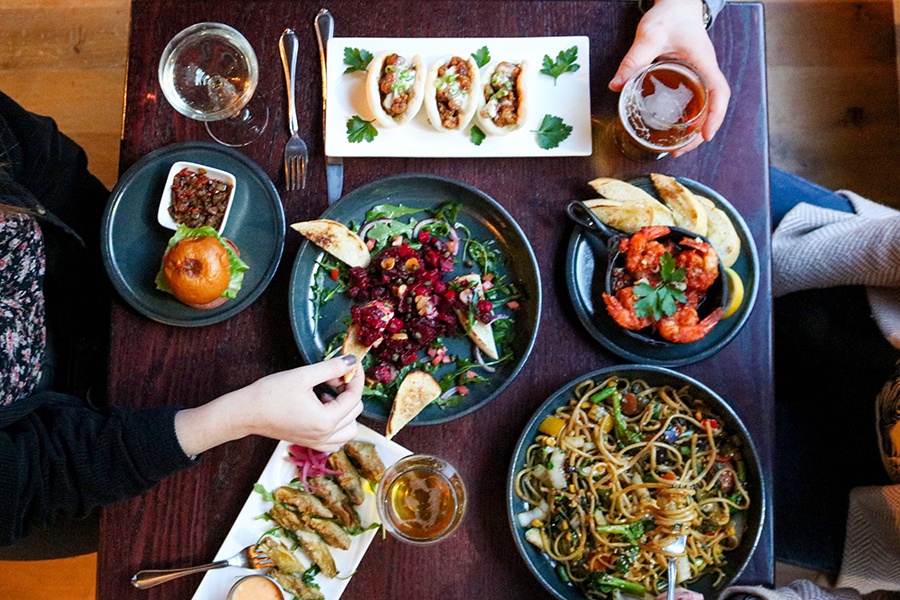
x=185, y=519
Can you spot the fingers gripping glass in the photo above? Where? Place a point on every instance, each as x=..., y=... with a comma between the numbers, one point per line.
x=209, y=72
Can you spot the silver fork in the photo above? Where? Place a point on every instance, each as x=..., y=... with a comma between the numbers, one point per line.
x=248, y=558
x=295, y=152
x=677, y=548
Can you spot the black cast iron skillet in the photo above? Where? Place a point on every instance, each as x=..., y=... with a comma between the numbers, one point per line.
x=716, y=295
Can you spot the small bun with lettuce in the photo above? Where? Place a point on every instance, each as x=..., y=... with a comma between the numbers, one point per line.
x=394, y=88
x=201, y=268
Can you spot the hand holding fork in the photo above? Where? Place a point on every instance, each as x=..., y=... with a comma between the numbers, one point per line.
x=295, y=153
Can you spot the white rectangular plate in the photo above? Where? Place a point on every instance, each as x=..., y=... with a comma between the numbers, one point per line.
x=569, y=98
x=247, y=529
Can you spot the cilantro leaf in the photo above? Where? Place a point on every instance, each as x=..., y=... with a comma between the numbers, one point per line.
x=476, y=135
x=358, y=129
x=356, y=59
x=564, y=63
x=552, y=132
x=482, y=56
x=660, y=301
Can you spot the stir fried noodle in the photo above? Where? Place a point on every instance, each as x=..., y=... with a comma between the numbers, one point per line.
x=621, y=471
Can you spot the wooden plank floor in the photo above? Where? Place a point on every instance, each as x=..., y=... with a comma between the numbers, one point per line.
x=832, y=79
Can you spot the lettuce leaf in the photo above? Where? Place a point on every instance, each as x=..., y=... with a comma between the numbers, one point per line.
x=236, y=264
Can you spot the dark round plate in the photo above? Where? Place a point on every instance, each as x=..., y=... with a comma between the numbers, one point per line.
x=486, y=219
x=132, y=242
x=585, y=279
x=543, y=567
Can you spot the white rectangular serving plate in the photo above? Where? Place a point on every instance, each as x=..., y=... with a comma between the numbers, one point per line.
x=568, y=98
x=247, y=528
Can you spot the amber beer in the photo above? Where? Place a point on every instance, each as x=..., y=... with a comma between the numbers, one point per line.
x=661, y=108
x=421, y=499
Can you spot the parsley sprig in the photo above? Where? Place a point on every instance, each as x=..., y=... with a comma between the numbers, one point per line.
x=564, y=63
x=482, y=56
x=552, y=132
x=356, y=59
x=660, y=301
x=358, y=130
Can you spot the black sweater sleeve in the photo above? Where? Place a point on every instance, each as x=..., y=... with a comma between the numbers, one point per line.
x=59, y=458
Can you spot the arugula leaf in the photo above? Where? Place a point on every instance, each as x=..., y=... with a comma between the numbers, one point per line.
x=266, y=494
x=308, y=576
x=564, y=63
x=552, y=132
x=358, y=129
x=356, y=59
x=661, y=300
x=390, y=211
x=384, y=232
x=447, y=211
x=482, y=56
x=476, y=135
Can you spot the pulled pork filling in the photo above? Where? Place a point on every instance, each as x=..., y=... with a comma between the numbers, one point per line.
x=500, y=95
x=452, y=90
x=397, y=77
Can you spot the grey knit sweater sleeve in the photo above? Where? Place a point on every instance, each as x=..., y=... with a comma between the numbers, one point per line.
x=798, y=590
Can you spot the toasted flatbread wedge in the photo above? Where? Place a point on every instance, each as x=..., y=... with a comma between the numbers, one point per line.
x=622, y=215
x=335, y=239
x=354, y=347
x=417, y=390
x=616, y=189
x=366, y=458
x=482, y=334
x=721, y=232
x=686, y=209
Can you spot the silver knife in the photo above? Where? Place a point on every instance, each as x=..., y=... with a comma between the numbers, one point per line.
x=334, y=165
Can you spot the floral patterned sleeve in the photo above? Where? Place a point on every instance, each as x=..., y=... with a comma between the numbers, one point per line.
x=22, y=333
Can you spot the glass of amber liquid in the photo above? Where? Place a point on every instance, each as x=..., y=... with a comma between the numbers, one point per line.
x=661, y=108
x=421, y=499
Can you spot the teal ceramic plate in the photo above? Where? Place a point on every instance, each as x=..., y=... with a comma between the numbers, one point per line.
x=486, y=219
x=586, y=276
x=132, y=242
x=543, y=567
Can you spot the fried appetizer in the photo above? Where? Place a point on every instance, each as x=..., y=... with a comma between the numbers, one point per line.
x=317, y=550
x=366, y=458
x=330, y=531
x=502, y=106
x=335, y=239
x=334, y=499
x=451, y=92
x=395, y=88
x=295, y=586
x=283, y=558
x=302, y=501
x=417, y=390
x=348, y=476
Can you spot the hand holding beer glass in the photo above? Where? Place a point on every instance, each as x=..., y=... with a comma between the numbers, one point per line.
x=662, y=108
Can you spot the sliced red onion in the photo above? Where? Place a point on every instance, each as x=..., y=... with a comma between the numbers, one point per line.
x=420, y=225
x=449, y=393
x=480, y=361
x=499, y=317
x=454, y=237
x=367, y=226
x=334, y=352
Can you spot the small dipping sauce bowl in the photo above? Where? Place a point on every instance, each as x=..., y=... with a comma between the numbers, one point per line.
x=255, y=587
x=421, y=499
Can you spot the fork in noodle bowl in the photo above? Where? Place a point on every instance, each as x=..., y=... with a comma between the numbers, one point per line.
x=622, y=470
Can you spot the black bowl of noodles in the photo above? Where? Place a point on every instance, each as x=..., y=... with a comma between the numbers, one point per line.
x=666, y=437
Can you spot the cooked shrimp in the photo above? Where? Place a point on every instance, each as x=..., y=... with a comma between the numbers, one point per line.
x=685, y=325
x=621, y=308
x=700, y=263
x=643, y=252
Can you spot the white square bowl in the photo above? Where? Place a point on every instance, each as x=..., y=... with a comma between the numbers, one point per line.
x=162, y=214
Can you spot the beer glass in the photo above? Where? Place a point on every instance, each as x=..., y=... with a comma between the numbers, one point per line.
x=421, y=499
x=661, y=108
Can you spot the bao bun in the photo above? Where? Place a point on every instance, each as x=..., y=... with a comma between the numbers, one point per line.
x=198, y=271
x=374, y=97
x=485, y=121
x=469, y=102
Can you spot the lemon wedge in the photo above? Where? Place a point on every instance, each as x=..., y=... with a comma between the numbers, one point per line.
x=735, y=292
